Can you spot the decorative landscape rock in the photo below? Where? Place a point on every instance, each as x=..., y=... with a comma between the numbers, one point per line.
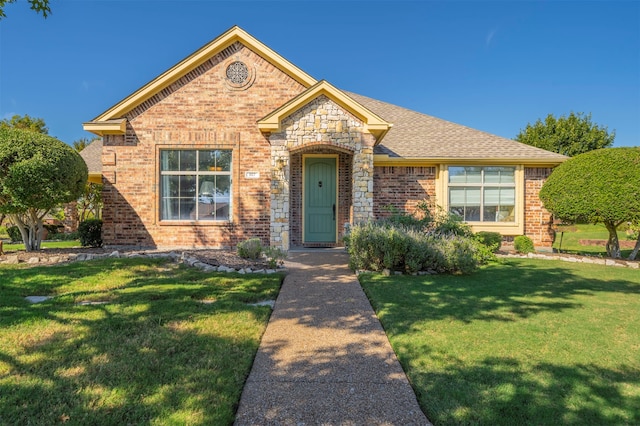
x=201, y=259
x=577, y=259
x=37, y=299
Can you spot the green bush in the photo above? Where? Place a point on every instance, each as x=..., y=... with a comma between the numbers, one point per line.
x=90, y=233
x=377, y=246
x=275, y=257
x=250, y=249
x=53, y=230
x=523, y=244
x=447, y=223
x=492, y=240
x=14, y=234
x=420, y=220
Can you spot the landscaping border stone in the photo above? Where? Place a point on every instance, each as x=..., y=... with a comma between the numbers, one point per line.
x=574, y=258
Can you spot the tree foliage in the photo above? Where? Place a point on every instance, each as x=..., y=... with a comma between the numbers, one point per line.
x=571, y=136
x=37, y=173
x=82, y=143
x=27, y=123
x=597, y=186
x=39, y=6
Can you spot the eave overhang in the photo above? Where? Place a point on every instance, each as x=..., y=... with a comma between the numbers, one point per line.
x=107, y=127
x=234, y=34
x=386, y=160
x=95, y=178
x=373, y=123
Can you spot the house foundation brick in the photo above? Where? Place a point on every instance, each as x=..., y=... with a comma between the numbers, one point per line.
x=538, y=221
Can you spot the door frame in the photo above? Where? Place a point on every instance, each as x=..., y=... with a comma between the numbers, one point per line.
x=304, y=193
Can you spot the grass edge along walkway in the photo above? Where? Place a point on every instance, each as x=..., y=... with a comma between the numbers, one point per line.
x=520, y=342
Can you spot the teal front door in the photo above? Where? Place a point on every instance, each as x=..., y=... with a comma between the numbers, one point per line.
x=319, y=200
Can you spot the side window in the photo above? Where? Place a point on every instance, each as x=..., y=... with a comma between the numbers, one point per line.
x=195, y=185
x=482, y=194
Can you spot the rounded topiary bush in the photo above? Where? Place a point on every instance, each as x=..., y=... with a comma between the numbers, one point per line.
x=90, y=232
x=523, y=244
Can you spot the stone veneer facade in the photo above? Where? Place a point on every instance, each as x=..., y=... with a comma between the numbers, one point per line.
x=320, y=127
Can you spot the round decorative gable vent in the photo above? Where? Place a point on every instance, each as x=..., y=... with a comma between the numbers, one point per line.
x=239, y=75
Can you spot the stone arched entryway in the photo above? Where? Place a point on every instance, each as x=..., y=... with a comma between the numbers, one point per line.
x=319, y=128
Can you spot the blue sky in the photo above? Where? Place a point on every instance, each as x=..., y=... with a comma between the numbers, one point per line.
x=493, y=66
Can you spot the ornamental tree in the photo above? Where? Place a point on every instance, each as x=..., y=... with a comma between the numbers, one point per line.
x=597, y=186
x=568, y=135
x=37, y=173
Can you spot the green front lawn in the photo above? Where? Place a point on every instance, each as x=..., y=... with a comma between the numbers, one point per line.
x=9, y=247
x=569, y=240
x=153, y=354
x=522, y=342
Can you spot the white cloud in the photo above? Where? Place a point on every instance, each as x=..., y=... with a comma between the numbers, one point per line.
x=489, y=38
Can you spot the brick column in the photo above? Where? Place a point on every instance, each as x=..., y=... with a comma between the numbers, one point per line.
x=71, y=217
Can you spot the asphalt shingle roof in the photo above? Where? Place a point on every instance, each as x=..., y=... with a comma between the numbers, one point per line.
x=417, y=135
x=92, y=156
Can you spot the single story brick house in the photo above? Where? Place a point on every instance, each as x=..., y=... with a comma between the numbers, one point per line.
x=236, y=142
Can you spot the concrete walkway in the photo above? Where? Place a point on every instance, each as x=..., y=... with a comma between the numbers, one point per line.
x=324, y=358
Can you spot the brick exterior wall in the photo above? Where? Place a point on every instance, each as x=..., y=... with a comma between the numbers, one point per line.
x=402, y=188
x=202, y=110
x=199, y=111
x=537, y=220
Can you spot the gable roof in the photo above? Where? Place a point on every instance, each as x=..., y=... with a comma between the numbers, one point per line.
x=414, y=136
x=419, y=136
x=108, y=121
x=372, y=122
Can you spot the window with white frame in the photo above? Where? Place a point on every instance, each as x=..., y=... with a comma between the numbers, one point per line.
x=195, y=184
x=482, y=194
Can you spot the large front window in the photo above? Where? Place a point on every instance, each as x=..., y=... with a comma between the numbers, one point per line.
x=482, y=194
x=195, y=184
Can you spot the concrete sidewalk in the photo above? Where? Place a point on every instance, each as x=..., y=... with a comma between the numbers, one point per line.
x=324, y=358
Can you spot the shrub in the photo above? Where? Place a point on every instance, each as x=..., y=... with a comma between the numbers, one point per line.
x=447, y=223
x=14, y=234
x=419, y=220
x=275, y=257
x=378, y=246
x=523, y=244
x=53, y=230
x=90, y=233
x=250, y=249
x=492, y=240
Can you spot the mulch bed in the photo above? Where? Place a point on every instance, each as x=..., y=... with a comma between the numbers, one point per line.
x=212, y=257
